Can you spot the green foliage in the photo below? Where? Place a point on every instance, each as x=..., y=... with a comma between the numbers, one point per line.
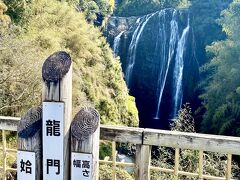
x=105, y=149
x=214, y=163
x=221, y=96
x=92, y=7
x=20, y=83
x=230, y=20
x=132, y=118
x=184, y=121
x=51, y=26
x=184, y=4
x=105, y=173
x=205, y=13
x=142, y=7
x=16, y=8
x=4, y=19
x=11, y=138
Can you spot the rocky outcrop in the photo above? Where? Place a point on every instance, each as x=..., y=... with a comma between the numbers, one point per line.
x=116, y=25
x=157, y=53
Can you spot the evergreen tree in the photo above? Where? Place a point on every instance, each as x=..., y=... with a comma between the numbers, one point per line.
x=222, y=97
x=143, y=7
x=205, y=14
x=95, y=9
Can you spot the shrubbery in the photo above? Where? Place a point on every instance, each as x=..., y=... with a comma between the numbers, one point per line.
x=94, y=8
x=214, y=163
x=48, y=26
x=143, y=7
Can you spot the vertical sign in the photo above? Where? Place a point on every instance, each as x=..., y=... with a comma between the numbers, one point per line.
x=53, y=127
x=26, y=165
x=81, y=166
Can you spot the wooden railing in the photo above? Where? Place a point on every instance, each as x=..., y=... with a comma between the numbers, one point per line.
x=144, y=139
x=7, y=124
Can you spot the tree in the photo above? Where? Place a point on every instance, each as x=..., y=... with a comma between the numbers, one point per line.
x=20, y=85
x=221, y=97
x=205, y=14
x=143, y=7
x=49, y=26
x=94, y=8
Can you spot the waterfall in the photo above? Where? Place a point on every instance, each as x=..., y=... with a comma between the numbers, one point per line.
x=132, y=50
x=178, y=67
x=178, y=71
x=169, y=49
x=116, y=43
x=158, y=52
x=166, y=60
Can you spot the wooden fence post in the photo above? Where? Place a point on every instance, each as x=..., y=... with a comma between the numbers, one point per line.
x=85, y=134
x=29, y=163
x=57, y=92
x=143, y=159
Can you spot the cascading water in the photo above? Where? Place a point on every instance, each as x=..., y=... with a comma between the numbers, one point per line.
x=116, y=43
x=157, y=53
x=166, y=60
x=178, y=68
x=178, y=71
x=133, y=46
x=167, y=51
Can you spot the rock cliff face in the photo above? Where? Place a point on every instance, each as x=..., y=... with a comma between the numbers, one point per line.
x=157, y=53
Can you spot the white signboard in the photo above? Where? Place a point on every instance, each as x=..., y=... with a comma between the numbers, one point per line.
x=81, y=166
x=26, y=165
x=53, y=129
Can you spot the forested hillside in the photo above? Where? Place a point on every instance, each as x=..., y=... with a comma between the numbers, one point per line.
x=32, y=30
x=221, y=96
x=138, y=8
x=163, y=64
x=216, y=33
x=41, y=27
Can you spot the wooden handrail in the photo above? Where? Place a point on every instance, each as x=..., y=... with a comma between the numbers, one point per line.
x=9, y=123
x=144, y=139
x=196, y=141
x=121, y=134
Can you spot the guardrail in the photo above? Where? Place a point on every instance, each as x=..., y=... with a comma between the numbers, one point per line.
x=144, y=139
